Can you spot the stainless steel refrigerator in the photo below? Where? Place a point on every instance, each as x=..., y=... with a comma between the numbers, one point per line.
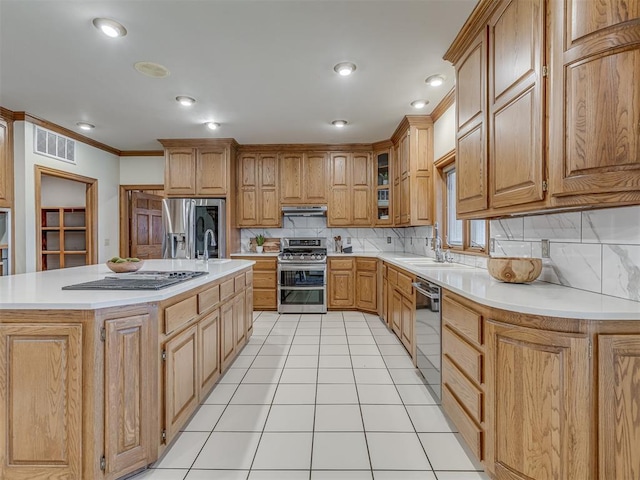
x=187, y=220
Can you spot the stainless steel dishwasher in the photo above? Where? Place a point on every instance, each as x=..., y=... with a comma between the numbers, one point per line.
x=428, y=333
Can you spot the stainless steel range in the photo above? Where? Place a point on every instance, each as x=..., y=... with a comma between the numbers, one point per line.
x=302, y=276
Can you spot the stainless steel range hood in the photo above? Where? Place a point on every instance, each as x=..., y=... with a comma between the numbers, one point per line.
x=305, y=211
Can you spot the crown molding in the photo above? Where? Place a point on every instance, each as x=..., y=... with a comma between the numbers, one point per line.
x=142, y=153
x=444, y=105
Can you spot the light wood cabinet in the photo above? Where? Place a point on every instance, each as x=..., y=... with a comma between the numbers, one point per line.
x=63, y=238
x=303, y=178
x=208, y=351
x=239, y=320
x=595, y=102
x=618, y=424
x=341, y=283
x=42, y=401
x=128, y=373
x=265, y=283
x=6, y=165
x=180, y=171
x=212, y=171
x=366, y=284
x=383, y=193
x=412, y=188
x=349, y=197
x=258, y=191
x=401, y=307
x=227, y=343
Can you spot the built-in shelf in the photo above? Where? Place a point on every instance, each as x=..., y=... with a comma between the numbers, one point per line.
x=383, y=188
x=63, y=237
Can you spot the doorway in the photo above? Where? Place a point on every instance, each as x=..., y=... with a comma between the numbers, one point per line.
x=66, y=219
x=141, y=221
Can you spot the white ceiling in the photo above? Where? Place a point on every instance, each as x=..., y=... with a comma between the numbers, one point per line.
x=262, y=69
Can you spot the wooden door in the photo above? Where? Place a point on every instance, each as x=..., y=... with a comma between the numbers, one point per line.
x=471, y=148
x=40, y=413
x=270, y=214
x=181, y=380
x=146, y=225
x=396, y=312
x=406, y=325
x=366, y=292
x=315, y=178
x=208, y=351
x=618, y=422
x=239, y=320
x=227, y=334
x=341, y=289
x=339, y=206
x=6, y=177
x=291, y=178
x=212, y=171
x=595, y=102
x=516, y=103
x=128, y=419
x=361, y=185
x=180, y=171
x=537, y=389
x=247, y=208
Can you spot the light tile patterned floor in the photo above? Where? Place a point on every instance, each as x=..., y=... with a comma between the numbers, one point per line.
x=318, y=397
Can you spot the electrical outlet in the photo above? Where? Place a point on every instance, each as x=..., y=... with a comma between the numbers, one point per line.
x=107, y=242
x=388, y=239
x=348, y=240
x=492, y=245
x=545, y=248
x=426, y=242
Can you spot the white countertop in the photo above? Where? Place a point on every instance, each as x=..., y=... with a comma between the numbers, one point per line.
x=254, y=254
x=42, y=290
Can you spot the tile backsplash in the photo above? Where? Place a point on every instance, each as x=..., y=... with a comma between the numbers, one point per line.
x=595, y=250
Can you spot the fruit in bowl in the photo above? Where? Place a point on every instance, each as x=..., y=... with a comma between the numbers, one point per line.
x=122, y=265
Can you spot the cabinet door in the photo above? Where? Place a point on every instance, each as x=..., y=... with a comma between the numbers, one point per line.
x=397, y=157
x=227, y=335
x=269, y=204
x=181, y=382
x=471, y=151
x=595, y=101
x=366, y=293
x=516, y=103
x=361, y=189
x=127, y=374
x=291, y=178
x=41, y=402
x=6, y=176
x=212, y=171
x=341, y=288
x=179, y=171
x=248, y=312
x=537, y=392
x=618, y=387
x=208, y=351
x=406, y=325
x=396, y=312
x=247, y=209
x=239, y=320
x=339, y=207
x=315, y=178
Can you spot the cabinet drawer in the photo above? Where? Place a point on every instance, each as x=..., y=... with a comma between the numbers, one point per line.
x=208, y=298
x=366, y=264
x=248, y=278
x=468, y=394
x=239, y=282
x=264, y=299
x=264, y=280
x=226, y=289
x=265, y=264
x=462, y=319
x=462, y=354
x=392, y=276
x=405, y=284
x=471, y=433
x=341, y=263
x=177, y=315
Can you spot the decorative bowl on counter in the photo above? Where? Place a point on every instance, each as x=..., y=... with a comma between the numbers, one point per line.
x=514, y=269
x=129, y=265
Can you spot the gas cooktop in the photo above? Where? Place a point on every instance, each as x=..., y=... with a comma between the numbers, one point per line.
x=149, y=280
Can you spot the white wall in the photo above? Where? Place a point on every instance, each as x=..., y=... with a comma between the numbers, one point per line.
x=60, y=192
x=444, y=133
x=90, y=162
x=141, y=170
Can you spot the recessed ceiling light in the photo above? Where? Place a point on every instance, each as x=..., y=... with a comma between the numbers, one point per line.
x=419, y=103
x=85, y=126
x=339, y=123
x=153, y=70
x=345, y=68
x=212, y=125
x=109, y=27
x=185, y=101
x=435, y=80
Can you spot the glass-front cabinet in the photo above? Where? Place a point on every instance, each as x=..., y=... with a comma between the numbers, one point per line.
x=382, y=198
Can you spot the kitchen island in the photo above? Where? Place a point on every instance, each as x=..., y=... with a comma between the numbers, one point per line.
x=96, y=384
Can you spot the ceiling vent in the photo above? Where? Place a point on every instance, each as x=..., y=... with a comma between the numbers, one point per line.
x=53, y=145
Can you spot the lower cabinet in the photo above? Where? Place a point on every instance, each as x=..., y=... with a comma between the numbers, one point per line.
x=227, y=343
x=401, y=306
x=341, y=283
x=367, y=284
x=209, y=353
x=239, y=320
x=265, y=282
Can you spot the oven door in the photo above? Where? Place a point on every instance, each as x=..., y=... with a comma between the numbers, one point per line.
x=302, y=288
x=428, y=334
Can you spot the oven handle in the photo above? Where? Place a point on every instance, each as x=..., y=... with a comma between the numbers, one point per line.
x=426, y=293
x=298, y=267
x=284, y=287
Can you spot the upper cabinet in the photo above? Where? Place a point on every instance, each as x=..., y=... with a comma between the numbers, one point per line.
x=350, y=189
x=595, y=102
x=258, y=195
x=6, y=165
x=383, y=181
x=200, y=169
x=413, y=160
x=303, y=178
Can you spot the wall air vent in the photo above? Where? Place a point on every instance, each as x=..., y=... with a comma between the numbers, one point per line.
x=54, y=145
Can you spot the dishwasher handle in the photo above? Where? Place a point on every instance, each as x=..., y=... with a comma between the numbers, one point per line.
x=426, y=293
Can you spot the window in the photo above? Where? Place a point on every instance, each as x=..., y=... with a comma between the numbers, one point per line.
x=469, y=236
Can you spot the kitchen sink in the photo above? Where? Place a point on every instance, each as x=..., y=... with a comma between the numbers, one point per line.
x=429, y=263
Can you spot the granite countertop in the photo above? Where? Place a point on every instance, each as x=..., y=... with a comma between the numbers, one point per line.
x=42, y=290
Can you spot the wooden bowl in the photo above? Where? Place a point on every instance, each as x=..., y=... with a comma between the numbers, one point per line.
x=125, y=266
x=514, y=269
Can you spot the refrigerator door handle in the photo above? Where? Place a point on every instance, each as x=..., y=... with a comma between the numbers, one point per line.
x=191, y=229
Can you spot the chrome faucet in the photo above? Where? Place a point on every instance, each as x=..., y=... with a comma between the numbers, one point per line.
x=211, y=243
x=441, y=257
